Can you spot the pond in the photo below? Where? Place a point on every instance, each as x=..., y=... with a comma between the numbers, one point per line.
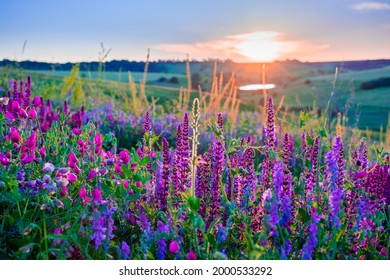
x=257, y=87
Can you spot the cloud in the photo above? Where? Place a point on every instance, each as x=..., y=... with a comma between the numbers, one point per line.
x=261, y=46
x=372, y=6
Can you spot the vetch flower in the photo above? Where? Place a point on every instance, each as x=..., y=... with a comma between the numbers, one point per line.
x=125, y=249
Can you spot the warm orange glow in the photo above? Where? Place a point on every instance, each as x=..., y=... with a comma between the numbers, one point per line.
x=262, y=46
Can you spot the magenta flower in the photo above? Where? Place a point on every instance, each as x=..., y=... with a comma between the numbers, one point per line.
x=72, y=160
x=71, y=177
x=37, y=101
x=174, y=247
x=82, y=193
x=76, y=131
x=15, y=136
x=191, y=255
x=124, y=156
x=91, y=174
x=4, y=160
x=27, y=159
x=97, y=195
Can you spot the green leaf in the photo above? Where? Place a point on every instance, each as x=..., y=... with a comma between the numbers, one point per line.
x=144, y=161
x=126, y=170
x=304, y=215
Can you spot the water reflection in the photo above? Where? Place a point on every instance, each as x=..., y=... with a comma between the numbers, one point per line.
x=257, y=86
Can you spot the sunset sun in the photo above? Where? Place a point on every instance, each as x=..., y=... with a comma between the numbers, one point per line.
x=261, y=46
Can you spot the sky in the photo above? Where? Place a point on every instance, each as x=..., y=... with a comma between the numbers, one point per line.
x=240, y=30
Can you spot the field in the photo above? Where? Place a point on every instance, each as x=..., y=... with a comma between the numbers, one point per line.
x=100, y=167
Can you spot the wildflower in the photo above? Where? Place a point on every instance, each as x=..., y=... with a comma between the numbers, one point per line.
x=91, y=174
x=124, y=156
x=174, y=247
x=42, y=152
x=15, y=136
x=271, y=138
x=191, y=255
x=4, y=160
x=98, y=143
x=71, y=177
x=335, y=200
x=125, y=249
x=311, y=242
x=82, y=193
x=72, y=160
x=99, y=231
x=215, y=191
x=97, y=195
x=27, y=159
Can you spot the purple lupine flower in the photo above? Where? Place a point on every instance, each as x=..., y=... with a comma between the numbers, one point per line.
x=332, y=170
x=109, y=224
x=247, y=163
x=335, y=201
x=162, y=242
x=339, y=149
x=222, y=234
x=164, y=189
x=202, y=182
x=99, y=231
x=220, y=121
x=215, y=191
x=287, y=150
x=147, y=123
x=278, y=177
x=311, y=242
x=125, y=249
x=185, y=153
x=312, y=155
x=271, y=137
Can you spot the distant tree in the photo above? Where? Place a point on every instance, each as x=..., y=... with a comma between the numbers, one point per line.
x=174, y=80
x=195, y=80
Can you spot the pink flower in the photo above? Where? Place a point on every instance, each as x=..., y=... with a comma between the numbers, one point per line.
x=91, y=174
x=15, y=106
x=42, y=152
x=64, y=191
x=76, y=131
x=15, y=136
x=124, y=156
x=22, y=113
x=191, y=256
x=9, y=116
x=82, y=193
x=72, y=160
x=362, y=174
x=4, y=160
x=97, y=195
x=98, y=143
x=118, y=168
x=138, y=184
x=126, y=184
x=28, y=159
x=57, y=231
x=71, y=177
x=174, y=247
x=37, y=101
x=32, y=114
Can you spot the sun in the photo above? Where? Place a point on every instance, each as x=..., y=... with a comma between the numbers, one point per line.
x=260, y=46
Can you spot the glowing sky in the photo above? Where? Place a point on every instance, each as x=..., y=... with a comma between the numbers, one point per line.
x=241, y=30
